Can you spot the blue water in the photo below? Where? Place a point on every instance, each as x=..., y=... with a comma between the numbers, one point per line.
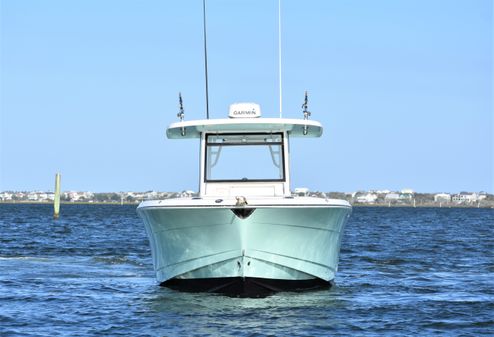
x=403, y=271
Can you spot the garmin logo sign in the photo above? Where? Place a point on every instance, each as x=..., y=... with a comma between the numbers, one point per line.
x=249, y=113
x=245, y=110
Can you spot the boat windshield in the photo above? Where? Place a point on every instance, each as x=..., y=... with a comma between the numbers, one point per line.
x=244, y=157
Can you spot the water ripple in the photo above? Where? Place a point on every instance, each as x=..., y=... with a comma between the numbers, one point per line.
x=403, y=271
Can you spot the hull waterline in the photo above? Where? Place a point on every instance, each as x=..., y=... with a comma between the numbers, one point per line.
x=245, y=286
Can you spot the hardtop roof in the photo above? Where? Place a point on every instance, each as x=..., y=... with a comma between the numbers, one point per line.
x=294, y=127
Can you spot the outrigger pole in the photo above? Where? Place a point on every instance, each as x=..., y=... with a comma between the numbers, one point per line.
x=205, y=56
x=279, y=55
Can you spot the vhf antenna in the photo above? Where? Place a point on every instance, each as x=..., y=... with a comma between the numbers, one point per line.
x=205, y=56
x=279, y=55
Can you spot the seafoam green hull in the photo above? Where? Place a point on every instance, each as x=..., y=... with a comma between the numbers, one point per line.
x=284, y=242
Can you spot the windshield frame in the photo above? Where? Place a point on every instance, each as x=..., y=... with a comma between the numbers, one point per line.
x=280, y=143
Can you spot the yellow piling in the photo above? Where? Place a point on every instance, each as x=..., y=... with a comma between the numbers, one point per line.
x=56, y=201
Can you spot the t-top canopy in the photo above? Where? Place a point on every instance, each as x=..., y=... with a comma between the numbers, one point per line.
x=294, y=127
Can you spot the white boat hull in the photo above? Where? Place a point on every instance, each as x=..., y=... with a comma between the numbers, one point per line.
x=294, y=241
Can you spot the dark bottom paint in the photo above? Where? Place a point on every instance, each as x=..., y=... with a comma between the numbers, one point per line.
x=244, y=287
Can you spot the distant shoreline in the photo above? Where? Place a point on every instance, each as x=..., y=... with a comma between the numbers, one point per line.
x=67, y=203
x=384, y=198
x=484, y=205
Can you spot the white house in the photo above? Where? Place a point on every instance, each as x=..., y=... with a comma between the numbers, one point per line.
x=465, y=197
x=32, y=196
x=72, y=196
x=42, y=196
x=392, y=196
x=368, y=198
x=150, y=195
x=5, y=196
x=187, y=194
x=442, y=197
x=301, y=191
x=20, y=195
x=398, y=197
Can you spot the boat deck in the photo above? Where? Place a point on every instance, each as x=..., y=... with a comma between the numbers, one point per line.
x=229, y=202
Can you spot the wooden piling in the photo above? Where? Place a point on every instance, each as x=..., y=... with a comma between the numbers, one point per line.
x=56, y=200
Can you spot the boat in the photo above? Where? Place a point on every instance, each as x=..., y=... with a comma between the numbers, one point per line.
x=244, y=233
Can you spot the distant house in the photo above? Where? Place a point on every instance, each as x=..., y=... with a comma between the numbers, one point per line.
x=33, y=196
x=5, y=196
x=392, y=197
x=150, y=195
x=367, y=198
x=86, y=195
x=301, y=191
x=20, y=195
x=406, y=196
x=465, y=197
x=442, y=197
x=398, y=197
x=42, y=196
x=187, y=194
x=75, y=196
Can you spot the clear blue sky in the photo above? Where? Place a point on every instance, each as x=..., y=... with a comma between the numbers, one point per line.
x=404, y=90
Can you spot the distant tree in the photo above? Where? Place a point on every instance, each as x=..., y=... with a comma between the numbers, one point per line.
x=102, y=197
x=115, y=197
x=337, y=195
x=424, y=198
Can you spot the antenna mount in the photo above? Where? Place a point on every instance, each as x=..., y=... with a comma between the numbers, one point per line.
x=305, y=105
